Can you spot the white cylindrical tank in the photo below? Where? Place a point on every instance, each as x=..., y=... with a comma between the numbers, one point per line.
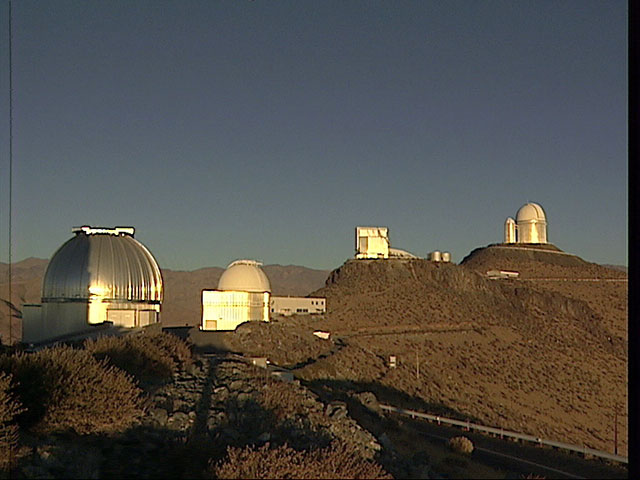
x=510, y=230
x=446, y=256
x=435, y=256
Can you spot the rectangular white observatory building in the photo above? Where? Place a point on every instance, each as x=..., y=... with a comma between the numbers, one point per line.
x=225, y=310
x=372, y=242
x=298, y=305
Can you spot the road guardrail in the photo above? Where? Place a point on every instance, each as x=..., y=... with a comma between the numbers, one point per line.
x=506, y=433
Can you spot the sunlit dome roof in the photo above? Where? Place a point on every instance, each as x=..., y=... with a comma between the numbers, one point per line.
x=244, y=276
x=103, y=262
x=531, y=212
x=398, y=253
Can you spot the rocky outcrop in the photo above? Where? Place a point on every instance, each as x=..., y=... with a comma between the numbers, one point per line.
x=224, y=401
x=169, y=421
x=249, y=407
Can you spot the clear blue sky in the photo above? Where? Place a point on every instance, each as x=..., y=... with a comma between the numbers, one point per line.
x=270, y=129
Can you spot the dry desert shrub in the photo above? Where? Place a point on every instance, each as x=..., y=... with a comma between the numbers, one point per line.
x=64, y=389
x=147, y=357
x=335, y=461
x=461, y=445
x=282, y=399
x=174, y=347
x=133, y=355
x=9, y=408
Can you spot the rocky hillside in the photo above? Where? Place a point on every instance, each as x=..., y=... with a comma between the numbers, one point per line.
x=544, y=354
x=189, y=423
x=601, y=287
x=536, y=262
x=507, y=353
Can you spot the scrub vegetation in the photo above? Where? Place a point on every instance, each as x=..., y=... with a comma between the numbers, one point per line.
x=335, y=461
x=65, y=389
x=10, y=407
x=461, y=445
x=147, y=357
x=508, y=353
x=100, y=388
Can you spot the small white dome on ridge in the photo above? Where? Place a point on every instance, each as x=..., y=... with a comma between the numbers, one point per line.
x=531, y=212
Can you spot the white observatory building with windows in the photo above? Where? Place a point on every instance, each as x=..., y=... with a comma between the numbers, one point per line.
x=100, y=275
x=530, y=225
x=242, y=295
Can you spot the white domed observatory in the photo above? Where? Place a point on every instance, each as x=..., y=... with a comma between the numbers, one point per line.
x=100, y=275
x=242, y=295
x=245, y=276
x=530, y=225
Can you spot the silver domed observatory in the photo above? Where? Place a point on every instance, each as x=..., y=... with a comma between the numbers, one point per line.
x=530, y=225
x=100, y=275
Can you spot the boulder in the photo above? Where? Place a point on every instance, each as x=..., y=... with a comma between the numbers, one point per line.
x=178, y=421
x=369, y=400
x=336, y=410
x=159, y=415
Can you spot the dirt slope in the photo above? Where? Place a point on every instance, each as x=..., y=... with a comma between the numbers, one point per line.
x=603, y=288
x=504, y=352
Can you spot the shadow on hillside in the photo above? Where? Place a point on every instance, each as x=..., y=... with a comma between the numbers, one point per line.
x=401, y=429
x=203, y=342
x=344, y=389
x=157, y=451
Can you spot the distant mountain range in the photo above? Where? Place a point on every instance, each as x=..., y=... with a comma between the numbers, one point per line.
x=182, y=288
x=617, y=267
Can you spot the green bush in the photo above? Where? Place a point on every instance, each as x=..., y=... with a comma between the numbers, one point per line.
x=9, y=408
x=69, y=390
x=335, y=461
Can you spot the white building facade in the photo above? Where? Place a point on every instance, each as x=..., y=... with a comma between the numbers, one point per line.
x=225, y=310
x=372, y=242
x=298, y=305
x=243, y=295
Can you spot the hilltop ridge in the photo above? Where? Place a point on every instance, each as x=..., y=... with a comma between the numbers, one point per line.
x=535, y=260
x=509, y=353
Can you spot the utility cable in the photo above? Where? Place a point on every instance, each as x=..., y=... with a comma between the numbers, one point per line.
x=10, y=304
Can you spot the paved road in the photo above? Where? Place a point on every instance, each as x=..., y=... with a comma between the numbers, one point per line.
x=519, y=459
